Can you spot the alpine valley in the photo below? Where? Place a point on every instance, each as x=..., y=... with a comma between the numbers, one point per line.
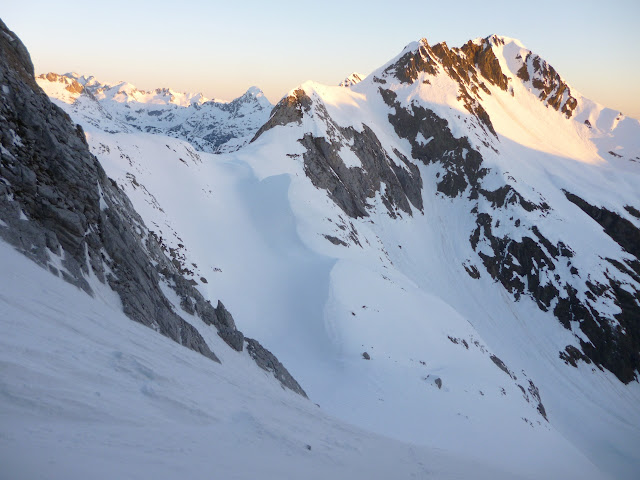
x=440, y=262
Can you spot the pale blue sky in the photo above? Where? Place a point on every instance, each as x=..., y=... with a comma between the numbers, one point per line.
x=222, y=48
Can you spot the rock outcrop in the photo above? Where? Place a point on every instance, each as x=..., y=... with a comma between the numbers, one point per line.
x=380, y=172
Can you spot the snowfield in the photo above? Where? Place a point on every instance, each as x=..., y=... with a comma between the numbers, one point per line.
x=86, y=393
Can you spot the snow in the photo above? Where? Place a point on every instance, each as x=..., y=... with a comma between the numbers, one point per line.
x=103, y=203
x=85, y=392
x=349, y=158
x=420, y=138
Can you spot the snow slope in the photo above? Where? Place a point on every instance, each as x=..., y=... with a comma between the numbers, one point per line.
x=88, y=393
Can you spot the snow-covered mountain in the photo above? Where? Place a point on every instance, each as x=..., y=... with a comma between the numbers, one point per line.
x=444, y=254
x=500, y=132
x=478, y=177
x=210, y=125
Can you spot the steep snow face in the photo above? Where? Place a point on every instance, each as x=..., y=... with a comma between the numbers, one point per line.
x=423, y=217
x=210, y=125
x=517, y=147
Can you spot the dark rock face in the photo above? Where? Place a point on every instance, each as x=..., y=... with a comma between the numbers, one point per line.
x=476, y=61
x=483, y=57
x=527, y=267
x=500, y=364
x=462, y=164
x=540, y=75
x=461, y=64
x=535, y=396
x=267, y=361
x=289, y=109
x=410, y=65
x=56, y=201
x=351, y=188
x=621, y=230
x=615, y=348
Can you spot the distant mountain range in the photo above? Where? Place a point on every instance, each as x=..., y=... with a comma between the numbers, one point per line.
x=210, y=125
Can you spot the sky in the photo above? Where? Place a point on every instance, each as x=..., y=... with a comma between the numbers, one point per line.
x=222, y=48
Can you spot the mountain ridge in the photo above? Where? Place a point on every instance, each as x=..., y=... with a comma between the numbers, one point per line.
x=210, y=125
x=536, y=183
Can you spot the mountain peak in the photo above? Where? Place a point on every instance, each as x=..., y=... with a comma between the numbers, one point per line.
x=254, y=95
x=254, y=91
x=499, y=40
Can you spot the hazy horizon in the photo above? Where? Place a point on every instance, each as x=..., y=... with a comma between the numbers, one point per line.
x=221, y=50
